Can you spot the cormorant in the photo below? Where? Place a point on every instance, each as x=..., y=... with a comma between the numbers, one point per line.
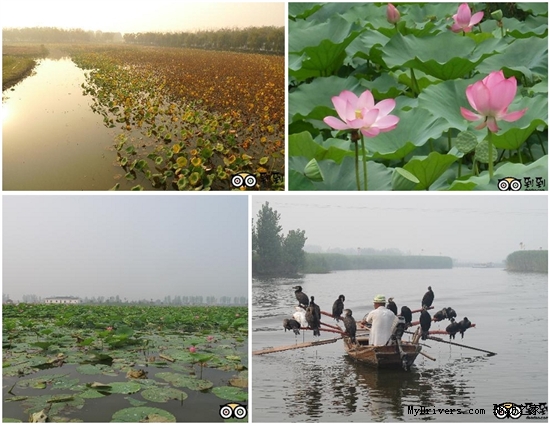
x=440, y=315
x=392, y=306
x=425, y=322
x=407, y=314
x=291, y=324
x=313, y=320
x=317, y=308
x=453, y=328
x=338, y=307
x=464, y=325
x=451, y=313
x=428, y=298
x=302, y=298
x=351, y=326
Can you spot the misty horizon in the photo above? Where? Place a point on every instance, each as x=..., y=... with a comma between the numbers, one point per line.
x=142, y=16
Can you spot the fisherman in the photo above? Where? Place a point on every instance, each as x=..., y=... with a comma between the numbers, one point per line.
x=382, y=322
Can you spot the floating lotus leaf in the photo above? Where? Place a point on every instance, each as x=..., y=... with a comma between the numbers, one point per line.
x=135, y=402
x=64, y=383
x=160, y=394
x=10, y=420
x=92, y=394
x=143, y=415
x=39, y=382
x=124, y=387
x=230, y=393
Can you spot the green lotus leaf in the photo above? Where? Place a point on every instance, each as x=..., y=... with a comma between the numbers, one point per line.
x=124, y=387
x=135, y=402
x=230, y=393
x=524, y=57
x=303, y=145
x=143, y=415
x=415, y=128
x=299, y=182
x=403, y=180
x=428, y=169
x=302, y=10
x=445, y=55
x=535, y=8
x=10, y=420
x=323, y=44
x=160, y=394
x=92, y=394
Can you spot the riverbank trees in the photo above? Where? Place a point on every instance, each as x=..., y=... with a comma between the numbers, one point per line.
x=273, y=254
x=528, y=261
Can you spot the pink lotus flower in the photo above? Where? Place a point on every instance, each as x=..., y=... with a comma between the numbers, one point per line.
x=392, y=14
x=491, y=98
x=210, y=338
x=464, y=21
x=192, y=349
x=362, y=114
x=109, y=329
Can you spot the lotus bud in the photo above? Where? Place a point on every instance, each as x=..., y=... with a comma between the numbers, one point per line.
x=392, y=14
x=313, y=172
x=497, y=15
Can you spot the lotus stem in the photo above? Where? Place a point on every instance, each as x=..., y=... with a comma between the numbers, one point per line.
x=449, y=145
x=364, y=153
x=414, y=84
x=541, y=143
x=490, y=142
x=459, y=167
x=520, y=157
x=354, y=139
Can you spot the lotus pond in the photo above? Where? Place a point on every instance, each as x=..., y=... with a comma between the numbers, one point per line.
x=123, y=363
x=190, y=119
x=433, y=96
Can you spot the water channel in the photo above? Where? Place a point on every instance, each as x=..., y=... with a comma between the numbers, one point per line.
x=51, y=138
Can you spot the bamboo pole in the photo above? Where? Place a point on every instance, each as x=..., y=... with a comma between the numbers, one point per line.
x=437, y=339
x=295, y=346
x=427, y=356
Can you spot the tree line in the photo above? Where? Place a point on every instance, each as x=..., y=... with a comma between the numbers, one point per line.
x=252, y=39
x=58, y=35
x=167, y=301
x=274, y=254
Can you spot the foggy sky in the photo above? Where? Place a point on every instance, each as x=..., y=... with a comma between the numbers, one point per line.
x=132, y=246
x=141, y=16
x=474, y=227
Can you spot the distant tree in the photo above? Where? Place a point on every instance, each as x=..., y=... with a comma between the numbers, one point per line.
x=293, y=252
x=267, y=241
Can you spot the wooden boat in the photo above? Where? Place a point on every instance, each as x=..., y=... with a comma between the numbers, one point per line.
x=400, y=355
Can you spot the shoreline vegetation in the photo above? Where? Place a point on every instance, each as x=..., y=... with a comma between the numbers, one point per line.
x=321, y=263
x=528, y=261
x=18, y=62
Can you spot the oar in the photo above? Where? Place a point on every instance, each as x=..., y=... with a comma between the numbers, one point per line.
x=427, y=356
x=296, y=346
x=437, y=339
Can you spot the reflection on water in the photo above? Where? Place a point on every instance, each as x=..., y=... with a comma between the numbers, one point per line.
x=324, y=384
x=51, y=139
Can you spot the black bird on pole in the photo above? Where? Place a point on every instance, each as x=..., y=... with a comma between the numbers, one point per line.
x=291, y=324
x=338, y=307
x=425, y=322
x=452, y=329
x=407, y=314
x=351, y=325
x=302, y=298
x=313, y=320
x=428, y=298
x=392, y=306
x=465, y=324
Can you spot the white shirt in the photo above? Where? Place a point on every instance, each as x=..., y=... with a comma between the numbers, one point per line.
x=382, y=320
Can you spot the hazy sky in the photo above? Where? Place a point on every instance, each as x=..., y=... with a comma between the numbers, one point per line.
x=140, y=16
x=134, y=246
x=477, y=227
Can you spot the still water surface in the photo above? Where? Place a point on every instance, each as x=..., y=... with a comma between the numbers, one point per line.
x=323, y=384
x=51, y=138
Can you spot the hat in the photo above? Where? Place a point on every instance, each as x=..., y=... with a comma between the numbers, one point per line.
x=379, y=298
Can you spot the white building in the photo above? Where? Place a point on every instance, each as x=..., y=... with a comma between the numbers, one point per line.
x=62, y=300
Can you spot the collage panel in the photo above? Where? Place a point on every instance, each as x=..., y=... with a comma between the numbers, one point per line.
x=125, y=308
x=169, y=95
x=386, y=308
x=417, y=96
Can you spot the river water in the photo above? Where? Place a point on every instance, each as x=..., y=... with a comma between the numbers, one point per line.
x=51, y=139
x=323, y=384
